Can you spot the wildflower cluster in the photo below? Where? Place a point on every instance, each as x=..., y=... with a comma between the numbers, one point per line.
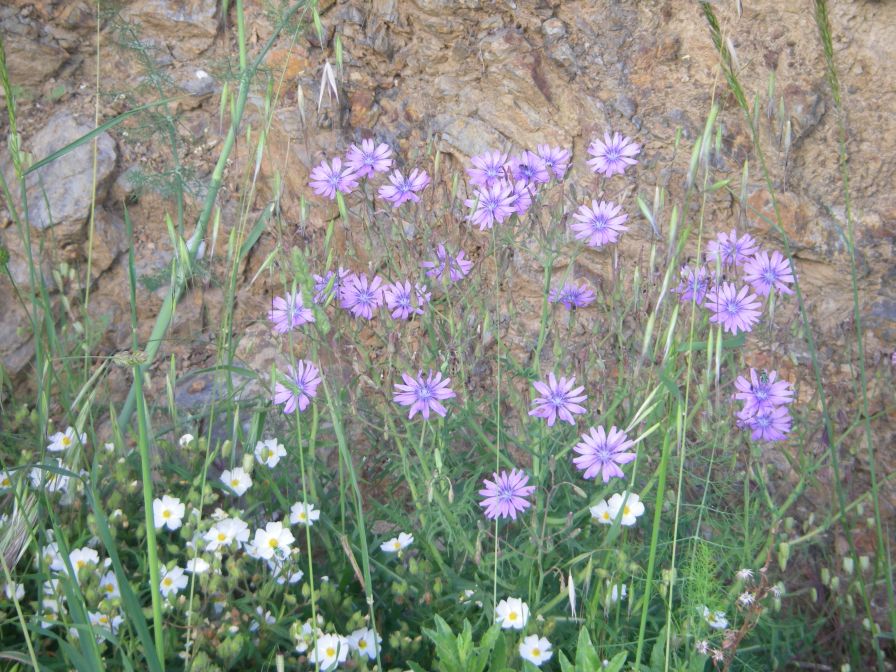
x=734, y=305
x=766, y=405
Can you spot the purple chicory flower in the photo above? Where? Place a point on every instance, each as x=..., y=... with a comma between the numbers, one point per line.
x=572, y=296
x=762, y=391
x=361, y=296
x=401, y=297
x=423, y=394
x=735, y=310
x=299, y=387
x=457, y=268
x=288, y=312
x=328, y=178
x=494, y=203
x=488, y=168
x=765, y=273
x=730, y=250
x=403, y=188
x=602, y=453
x=530, y=168
x=321, y=282
x=600, y=224
x=694, y=284
x=369, y=158
x=770, y=424
x=613, y=155
x=522, y=197
x=558, y=399
x=505, y=497
x=556, y=159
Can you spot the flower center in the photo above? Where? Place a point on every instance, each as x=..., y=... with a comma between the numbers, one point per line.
x=557, y=399
x=511, y=616
x=80, y=563
x=362, y=644
x=273, y=543
x=166, y=514
x=626, y=510
x=330, y=652
x=66, y=441
x=167, y=582
x=222, y=536
x=606, y=515
x=234, y=482
x=731, y=307
x=536, y=652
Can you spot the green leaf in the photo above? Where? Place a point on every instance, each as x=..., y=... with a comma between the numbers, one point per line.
x=565, y=665
x=256, y=231
x=616, y=662
x=658, y=653
x=586, y=657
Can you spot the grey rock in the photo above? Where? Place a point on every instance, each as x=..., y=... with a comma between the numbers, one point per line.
x=59, y=194
x=553, y=30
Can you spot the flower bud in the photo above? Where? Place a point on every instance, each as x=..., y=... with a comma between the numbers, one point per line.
x=848, y=565
x=783, y=554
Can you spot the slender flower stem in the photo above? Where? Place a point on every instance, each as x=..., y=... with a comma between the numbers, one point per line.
x=151, y=544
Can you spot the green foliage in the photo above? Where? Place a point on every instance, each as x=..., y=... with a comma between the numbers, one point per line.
x=459, y=653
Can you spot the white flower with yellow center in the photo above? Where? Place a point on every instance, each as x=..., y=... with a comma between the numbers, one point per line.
x=105, y=620
x=168, y=512
x=536, y=650
x=715, y=619
x=269, y=452
x=273, y=540
x=366, y=642
x=303, y=514
x=512, y=614
x=64, y=440
x=224, y=532
x=83, y=557
x=601, y=512
x=173, y=581
x=109, y=586
x=396, y=544
x=50, y=481
x=237, y=480
x=329, y=652
x=629, y=504
x=5, y=481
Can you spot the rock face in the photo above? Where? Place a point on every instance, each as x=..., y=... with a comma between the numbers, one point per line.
x=32, y=54
x=186, y=27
